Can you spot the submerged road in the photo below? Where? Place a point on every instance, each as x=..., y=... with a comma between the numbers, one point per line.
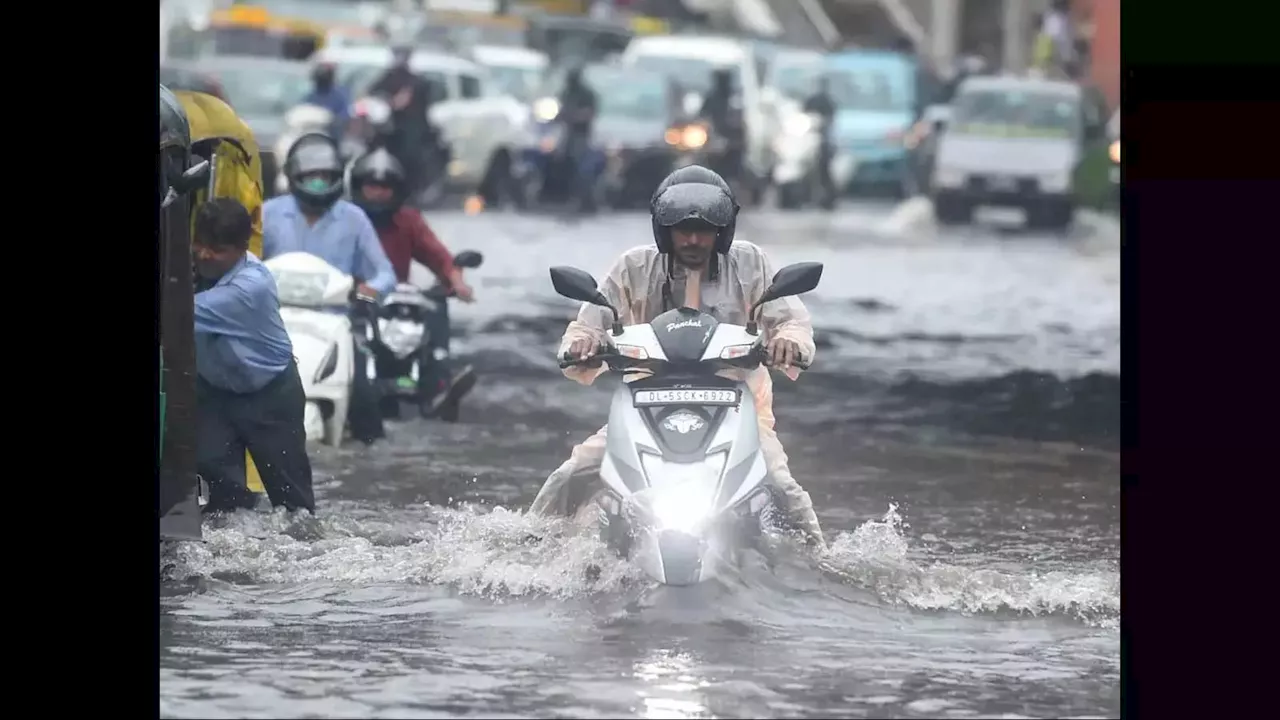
x=958, y=434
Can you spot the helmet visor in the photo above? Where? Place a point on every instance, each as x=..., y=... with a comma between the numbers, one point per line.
x=693, y=201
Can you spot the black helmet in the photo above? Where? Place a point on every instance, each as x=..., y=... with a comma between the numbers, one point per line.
x=314, y=170
x=379, y=167
x=175, y=142
x=694, y=194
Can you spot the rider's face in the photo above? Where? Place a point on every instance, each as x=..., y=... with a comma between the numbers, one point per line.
x=373, y=192
x=693, y=247
x=214, y=262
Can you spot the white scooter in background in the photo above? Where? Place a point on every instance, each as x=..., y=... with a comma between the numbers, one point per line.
x=310, y=292
x=795, y=149
x=683, y=481
x=300, y=120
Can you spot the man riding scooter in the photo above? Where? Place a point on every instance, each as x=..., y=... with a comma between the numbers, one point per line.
x=722, y=110
x=379, y=187
x=578, y=105
x=326, y=93
x=410, y=97
x=821, y=104
x=313, y=218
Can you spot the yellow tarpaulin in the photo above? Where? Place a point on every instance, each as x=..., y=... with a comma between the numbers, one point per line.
x=237, y=173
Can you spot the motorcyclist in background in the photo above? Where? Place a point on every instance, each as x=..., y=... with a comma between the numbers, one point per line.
x=313, y=218
x=722, y=109
x=821, y=104
x=410, y=98
x=326, y=93
x=694, y=263
x=378, y=186
x=578, y=105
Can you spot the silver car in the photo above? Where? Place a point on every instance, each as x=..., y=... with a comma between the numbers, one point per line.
x=1013, y=142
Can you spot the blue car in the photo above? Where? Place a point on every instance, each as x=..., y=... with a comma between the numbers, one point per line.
x=875, y=97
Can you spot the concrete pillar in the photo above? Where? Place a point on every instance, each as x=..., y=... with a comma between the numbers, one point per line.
x=1017, y=35
x=944, y=31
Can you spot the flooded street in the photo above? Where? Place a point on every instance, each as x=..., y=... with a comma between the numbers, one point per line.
x=958, y=434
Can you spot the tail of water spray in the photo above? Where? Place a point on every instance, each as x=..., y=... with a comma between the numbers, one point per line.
x=876, y=556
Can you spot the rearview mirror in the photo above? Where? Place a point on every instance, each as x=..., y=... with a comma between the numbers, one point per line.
x=191, y=180
x=468, y=259
x=576, y=284
x=791, y=280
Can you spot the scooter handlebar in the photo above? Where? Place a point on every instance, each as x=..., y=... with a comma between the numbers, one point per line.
x=604, y=353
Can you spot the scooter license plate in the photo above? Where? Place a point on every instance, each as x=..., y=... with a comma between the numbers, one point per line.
x=686, y=396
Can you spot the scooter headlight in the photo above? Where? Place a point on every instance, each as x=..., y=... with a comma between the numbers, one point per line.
x=546, y=109
x=681, y=496
x=797, y=125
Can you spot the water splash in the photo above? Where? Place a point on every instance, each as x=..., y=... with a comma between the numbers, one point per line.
x=494, y=554
x=500, y=553
x=875, y=556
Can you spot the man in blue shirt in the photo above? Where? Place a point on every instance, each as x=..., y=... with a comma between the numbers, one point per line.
x=313, y=218
x=249, y=393
x=329, y=95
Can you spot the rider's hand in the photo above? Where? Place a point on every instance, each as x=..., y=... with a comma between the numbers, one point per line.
x=463, y=291
x=581, y=349
x=783, y=352
x=401, y=99
x=364, y=290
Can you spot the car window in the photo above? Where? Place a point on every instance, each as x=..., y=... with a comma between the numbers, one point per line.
x=1015, y=112
x=262, y=91
x=797, y=81
x=864, y=90
x=469, y=86
x=692, y=74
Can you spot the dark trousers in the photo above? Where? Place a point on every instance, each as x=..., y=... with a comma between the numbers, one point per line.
x=364, y=415
x=267, y=422
x=436, y=364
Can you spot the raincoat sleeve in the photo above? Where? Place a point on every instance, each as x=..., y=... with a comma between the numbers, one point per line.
x=593, y=321
x=786, y=317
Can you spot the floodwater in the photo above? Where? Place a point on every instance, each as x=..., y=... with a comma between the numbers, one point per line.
x=958, y=435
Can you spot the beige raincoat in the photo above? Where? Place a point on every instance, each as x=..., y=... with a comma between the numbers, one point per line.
x=634, y=286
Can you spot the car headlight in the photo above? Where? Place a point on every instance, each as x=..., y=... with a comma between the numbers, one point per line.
x=546, y=109
x=1055, y=182
x=948, y=177
x=694, y=136
x=1115, y=151
x=797, y=124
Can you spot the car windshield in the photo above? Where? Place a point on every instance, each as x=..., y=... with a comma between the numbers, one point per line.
x=797, y=81
x=254, y=90
x=863, y=90
x=692, y=74
x=519, y=82
x=632, y=97
x=1004, y=112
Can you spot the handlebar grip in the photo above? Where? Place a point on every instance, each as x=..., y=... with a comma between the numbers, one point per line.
x=594, y=359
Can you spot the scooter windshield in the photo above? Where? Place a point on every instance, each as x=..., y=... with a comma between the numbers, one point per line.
x=683, y=334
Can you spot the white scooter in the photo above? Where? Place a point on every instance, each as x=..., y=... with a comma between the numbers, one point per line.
x=684, y=479
x=310, y=292
x=795, y=149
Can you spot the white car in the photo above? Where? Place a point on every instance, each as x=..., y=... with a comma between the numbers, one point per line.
x=481, y=124
x=690, y=61
x=517, y=71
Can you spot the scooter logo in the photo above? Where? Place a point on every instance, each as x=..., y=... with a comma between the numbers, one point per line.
x=683, y=423
x=684, y=324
